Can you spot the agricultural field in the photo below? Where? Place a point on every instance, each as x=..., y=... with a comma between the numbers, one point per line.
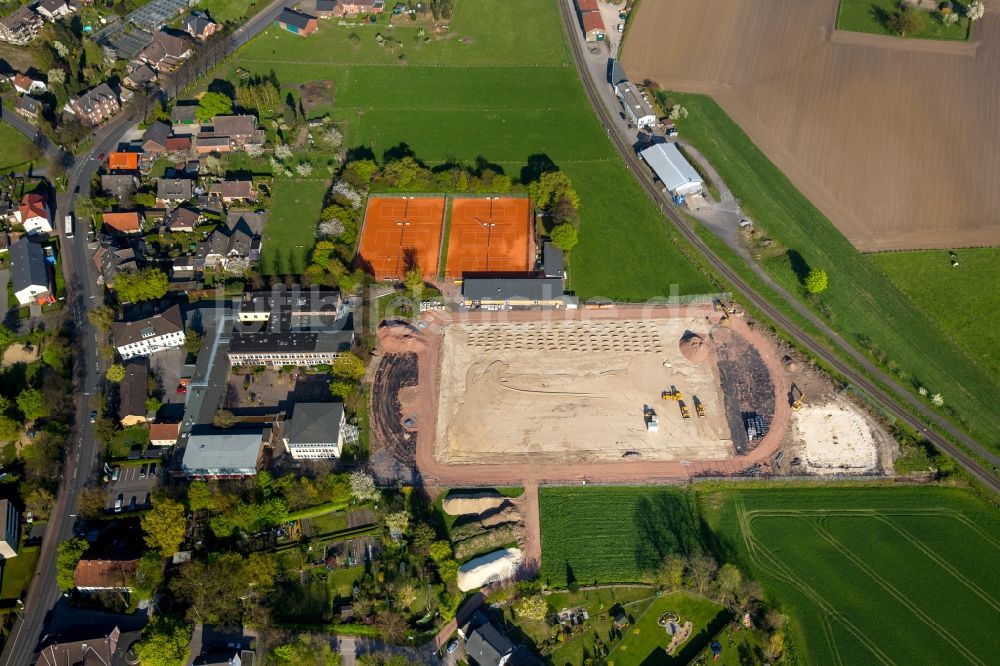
x=613, y=535
x=861, y=303
x=511, y=97
x=872, y=16
x=899, y=575
x=953, y=297
x=290, y=231
x=858, y=148
x=17, y=149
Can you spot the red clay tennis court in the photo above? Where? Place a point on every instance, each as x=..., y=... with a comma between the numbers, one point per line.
x=490, y=235
x=399, y=232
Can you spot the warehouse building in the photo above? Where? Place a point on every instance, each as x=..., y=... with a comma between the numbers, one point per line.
x=514, y=292
x=675, y=172
x=637, y=109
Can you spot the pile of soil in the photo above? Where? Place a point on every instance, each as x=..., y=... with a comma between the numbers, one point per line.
x=400, y=338
x=457, y=504
x=695, y=348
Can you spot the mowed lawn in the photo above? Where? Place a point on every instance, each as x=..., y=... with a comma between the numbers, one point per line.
x=290, y=230
x=862, y=303
x=17, y=150
x=956, y=298
x=613, y=535
x=646, y=641
x=870, y=16
x=500, y=87
x=905, y=575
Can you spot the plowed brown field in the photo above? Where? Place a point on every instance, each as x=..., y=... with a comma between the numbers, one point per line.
x=894, y=140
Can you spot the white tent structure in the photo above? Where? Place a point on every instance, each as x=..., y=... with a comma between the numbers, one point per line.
x=676, y=174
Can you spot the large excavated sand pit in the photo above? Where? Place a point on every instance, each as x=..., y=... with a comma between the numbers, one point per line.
x=494, y=567
x=574, y=390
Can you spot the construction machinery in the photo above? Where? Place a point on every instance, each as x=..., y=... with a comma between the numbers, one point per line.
x=699, y=408
x=797, y=396
x=651, y=419
x=672, y=394
x=685, y=412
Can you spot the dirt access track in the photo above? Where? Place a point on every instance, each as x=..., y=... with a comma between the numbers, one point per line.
x=591, y=372
x=894, y=140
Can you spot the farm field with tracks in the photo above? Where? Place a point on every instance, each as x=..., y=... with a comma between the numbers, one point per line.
x=926, y=346
x=890, y=575
x=858, y=147
x=510, y=96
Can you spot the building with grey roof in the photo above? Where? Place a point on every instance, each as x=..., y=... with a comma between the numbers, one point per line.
x=675, y=172
x=315, y=430
x=29, y=272
x=224, y=454
x=173, y=189
x=553, y=261
x=150, y=335
x=10, y=529
x=513, y=292
x=637, y=107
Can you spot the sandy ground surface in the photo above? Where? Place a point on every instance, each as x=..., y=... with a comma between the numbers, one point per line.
x=835, y=439
x=573, y=391
x=18, y=354
x=858, y=123
x=422, y=407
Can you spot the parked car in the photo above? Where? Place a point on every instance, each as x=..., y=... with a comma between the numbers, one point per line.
x=152, y=469
x=671, y=131
x=181, y=388
x=131, y=504
x=142, y=471
x=453, y=645
x=118, y=503
x=93, y=417
x=114, y=473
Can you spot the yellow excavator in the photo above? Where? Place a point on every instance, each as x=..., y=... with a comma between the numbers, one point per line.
x=672, y=394
x=685, y=412
x=699, y=408
x=796, y=401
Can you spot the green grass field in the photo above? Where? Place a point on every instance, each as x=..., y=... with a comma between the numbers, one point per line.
x=290, y=231
x=224, y=11
x=954, y=298
x=17, y=573
x=613, y=535
x=646, y=641
x=861, y=302
x=17, y=150
x=902, y=574
x=870, y=16
x=497, y=87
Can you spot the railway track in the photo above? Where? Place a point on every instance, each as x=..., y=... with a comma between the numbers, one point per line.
x=886, y=401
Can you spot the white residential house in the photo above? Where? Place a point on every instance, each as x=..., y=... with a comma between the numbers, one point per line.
x=33, y=214
x=150, y=335
x=29, y=272
x=315, y=430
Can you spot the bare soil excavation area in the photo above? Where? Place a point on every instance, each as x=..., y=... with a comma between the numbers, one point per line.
x=894, y=140
x=554, y=397
x=569, y=391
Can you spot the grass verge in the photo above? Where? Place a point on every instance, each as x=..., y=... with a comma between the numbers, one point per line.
x=872, y=16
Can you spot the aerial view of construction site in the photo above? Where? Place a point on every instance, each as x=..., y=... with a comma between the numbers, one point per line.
x=500, y=333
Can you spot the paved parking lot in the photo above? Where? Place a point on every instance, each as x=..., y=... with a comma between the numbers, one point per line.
x=131, y=484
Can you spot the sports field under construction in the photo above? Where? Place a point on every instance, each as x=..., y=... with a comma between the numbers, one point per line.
x=569, y=393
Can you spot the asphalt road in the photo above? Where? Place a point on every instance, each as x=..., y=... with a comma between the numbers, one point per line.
x=83, y=294
x=890, y=399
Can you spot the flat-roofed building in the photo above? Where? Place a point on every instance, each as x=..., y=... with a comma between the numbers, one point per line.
x=224, y=454
x=675, y=172
x=513, y=292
